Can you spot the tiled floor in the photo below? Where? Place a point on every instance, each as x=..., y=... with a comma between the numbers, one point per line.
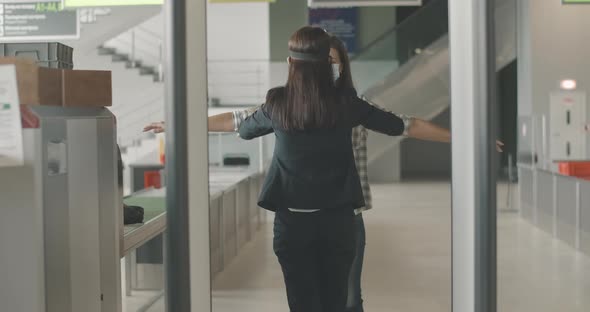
x=407, y=265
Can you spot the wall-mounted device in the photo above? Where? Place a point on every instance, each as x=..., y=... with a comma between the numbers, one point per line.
x=569, y=128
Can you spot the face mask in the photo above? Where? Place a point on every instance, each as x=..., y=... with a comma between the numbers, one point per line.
x=336, y=71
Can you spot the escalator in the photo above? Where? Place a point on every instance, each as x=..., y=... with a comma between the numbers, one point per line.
x=416, y=81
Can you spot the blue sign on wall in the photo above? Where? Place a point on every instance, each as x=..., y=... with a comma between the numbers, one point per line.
x=340, y=22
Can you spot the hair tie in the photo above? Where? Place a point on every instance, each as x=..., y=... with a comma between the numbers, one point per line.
x=313, y=57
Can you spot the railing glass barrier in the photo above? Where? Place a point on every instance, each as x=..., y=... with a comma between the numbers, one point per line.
x=410, y=37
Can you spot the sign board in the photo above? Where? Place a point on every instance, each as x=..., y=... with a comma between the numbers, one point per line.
x=25, y=1
x=11, y=133
x=340, y=22
x=239, y=1
x=35, y=21
x=360, y=3
x=108, y=3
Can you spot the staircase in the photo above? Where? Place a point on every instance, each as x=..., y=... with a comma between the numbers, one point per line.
x=420, y=86
x=134, y=56
x=137, y=99
x=155, y=72
x=140, y=47
x=119, y=19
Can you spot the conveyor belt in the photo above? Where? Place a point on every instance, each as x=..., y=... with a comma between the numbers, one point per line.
x=154, y=203
x=154, y=221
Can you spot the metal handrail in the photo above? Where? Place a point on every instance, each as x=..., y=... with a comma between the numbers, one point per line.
x=149, y=103
x=123, y=41
x=144, y=37
x=255, y=71
x=148, y=32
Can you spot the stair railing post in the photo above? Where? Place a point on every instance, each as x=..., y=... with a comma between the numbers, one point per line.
x=160, y=66
x=133, y=64
x=258, y=81
x=511, y=180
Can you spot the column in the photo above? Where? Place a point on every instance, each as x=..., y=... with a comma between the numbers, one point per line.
x=471, y=31
x=187, y=245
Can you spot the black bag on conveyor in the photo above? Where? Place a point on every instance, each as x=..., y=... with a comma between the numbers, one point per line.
x=132, y=214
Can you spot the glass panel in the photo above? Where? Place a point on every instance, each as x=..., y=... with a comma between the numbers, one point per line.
x=412, y=36
x=246, y=275
x=543, y=254
x=143, y=267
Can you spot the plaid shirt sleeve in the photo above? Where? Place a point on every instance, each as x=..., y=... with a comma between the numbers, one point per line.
x=359, y=144
x=359, y=147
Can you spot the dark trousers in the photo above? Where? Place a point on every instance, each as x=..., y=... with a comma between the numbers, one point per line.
x=315, y=251
x=355, y=299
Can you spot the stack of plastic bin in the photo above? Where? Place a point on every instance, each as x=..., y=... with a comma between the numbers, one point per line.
x=46, y=54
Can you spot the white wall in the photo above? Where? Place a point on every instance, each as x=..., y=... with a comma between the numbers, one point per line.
x=553, y=41
x=238, y=47
x=238, y=31
x=523, y=29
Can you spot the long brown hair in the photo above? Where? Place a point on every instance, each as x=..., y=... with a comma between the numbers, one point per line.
x=309, y=100
x=345, y=80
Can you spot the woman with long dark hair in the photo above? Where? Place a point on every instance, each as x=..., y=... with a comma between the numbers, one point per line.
x=312, y=183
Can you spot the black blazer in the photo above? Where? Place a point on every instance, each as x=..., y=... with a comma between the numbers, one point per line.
x=315, y=169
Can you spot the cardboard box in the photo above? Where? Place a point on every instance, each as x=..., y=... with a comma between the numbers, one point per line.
x=87, y=88
x=57, y=87
x=36, y=85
